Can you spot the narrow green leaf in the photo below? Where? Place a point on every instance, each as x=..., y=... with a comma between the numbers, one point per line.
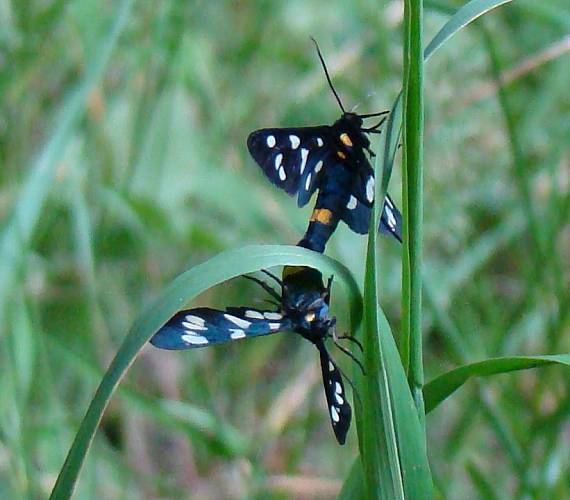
x=392, y=444
x=20, y=228
x=377, y=433
x=407, y=435
x=484, y=487
x=353, y=487
x=182, y=290
x=441, y=387
x=388, y=373
x=197, y=422
x=465, y=15
x=412, y=198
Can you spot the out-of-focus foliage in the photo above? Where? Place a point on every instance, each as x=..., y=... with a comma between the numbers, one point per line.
x=152, y=176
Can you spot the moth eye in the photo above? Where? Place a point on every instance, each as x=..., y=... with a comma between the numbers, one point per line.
x=310, y=317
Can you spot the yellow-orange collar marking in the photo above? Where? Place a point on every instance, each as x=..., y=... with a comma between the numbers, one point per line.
x=345, y=139
x=322, y=215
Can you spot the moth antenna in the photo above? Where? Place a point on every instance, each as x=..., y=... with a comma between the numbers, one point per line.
x=372, y=115
x=265, y=286
x=327, y=75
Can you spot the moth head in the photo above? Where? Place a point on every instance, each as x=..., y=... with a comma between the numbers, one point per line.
x=353, y=119
x=315, y=316
x=350, y=125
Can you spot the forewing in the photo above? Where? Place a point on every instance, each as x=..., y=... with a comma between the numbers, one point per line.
x=340, y=412
x=202, y=327
x=292, y=158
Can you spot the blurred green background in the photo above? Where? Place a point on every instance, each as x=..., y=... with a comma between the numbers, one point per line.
x=123, y=163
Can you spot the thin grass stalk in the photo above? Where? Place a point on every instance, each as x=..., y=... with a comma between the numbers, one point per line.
x=413, y=196
x=19, y=230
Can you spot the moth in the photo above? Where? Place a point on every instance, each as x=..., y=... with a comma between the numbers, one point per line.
x=333, y=160
x=302, y=308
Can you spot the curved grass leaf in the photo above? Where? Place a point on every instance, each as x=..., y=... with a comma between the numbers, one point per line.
x=464, y=16
x=440, y=388
x=183, y=289
x=198, y=423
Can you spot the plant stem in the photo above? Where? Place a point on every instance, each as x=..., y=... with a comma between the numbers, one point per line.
x=413, y=196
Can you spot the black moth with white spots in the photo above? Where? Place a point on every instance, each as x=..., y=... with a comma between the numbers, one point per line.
x=303, y=309
x=332, y=160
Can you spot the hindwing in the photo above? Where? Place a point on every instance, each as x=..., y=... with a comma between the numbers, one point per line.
x=357, y=216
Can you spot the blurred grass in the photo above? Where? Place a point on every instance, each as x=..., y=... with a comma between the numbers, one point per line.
x=155, y=177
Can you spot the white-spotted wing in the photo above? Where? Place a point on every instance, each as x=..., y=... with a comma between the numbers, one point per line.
x=202, y=327
x=363, y=184
x=338, y=407
x=357, y=216
x=391, y=220
x=292, y=158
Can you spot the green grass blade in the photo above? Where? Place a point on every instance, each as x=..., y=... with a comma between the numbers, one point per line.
x=20, y=228
x=183, y=289
x=393, y=423
x=412, y=197
x=444, y=385
x=481, y=483
x=392, y=444
x=377, y=431
x=464, y=16
x=198, y=423
x=353, y=487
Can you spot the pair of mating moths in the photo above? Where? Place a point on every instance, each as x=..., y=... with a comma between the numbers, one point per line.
x=331, y=160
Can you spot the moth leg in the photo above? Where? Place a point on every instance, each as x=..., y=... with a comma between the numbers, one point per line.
x=352, y=339
x=271, y=275
x=351, y=356
x=375, y=127
x=268, y=301
x=265, y=286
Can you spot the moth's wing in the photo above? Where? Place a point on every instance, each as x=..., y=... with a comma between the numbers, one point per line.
x=202, y=327
x=391, y=220
x=363, y=185
x=292, y=158
x=340, y=412
x=357, y=216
